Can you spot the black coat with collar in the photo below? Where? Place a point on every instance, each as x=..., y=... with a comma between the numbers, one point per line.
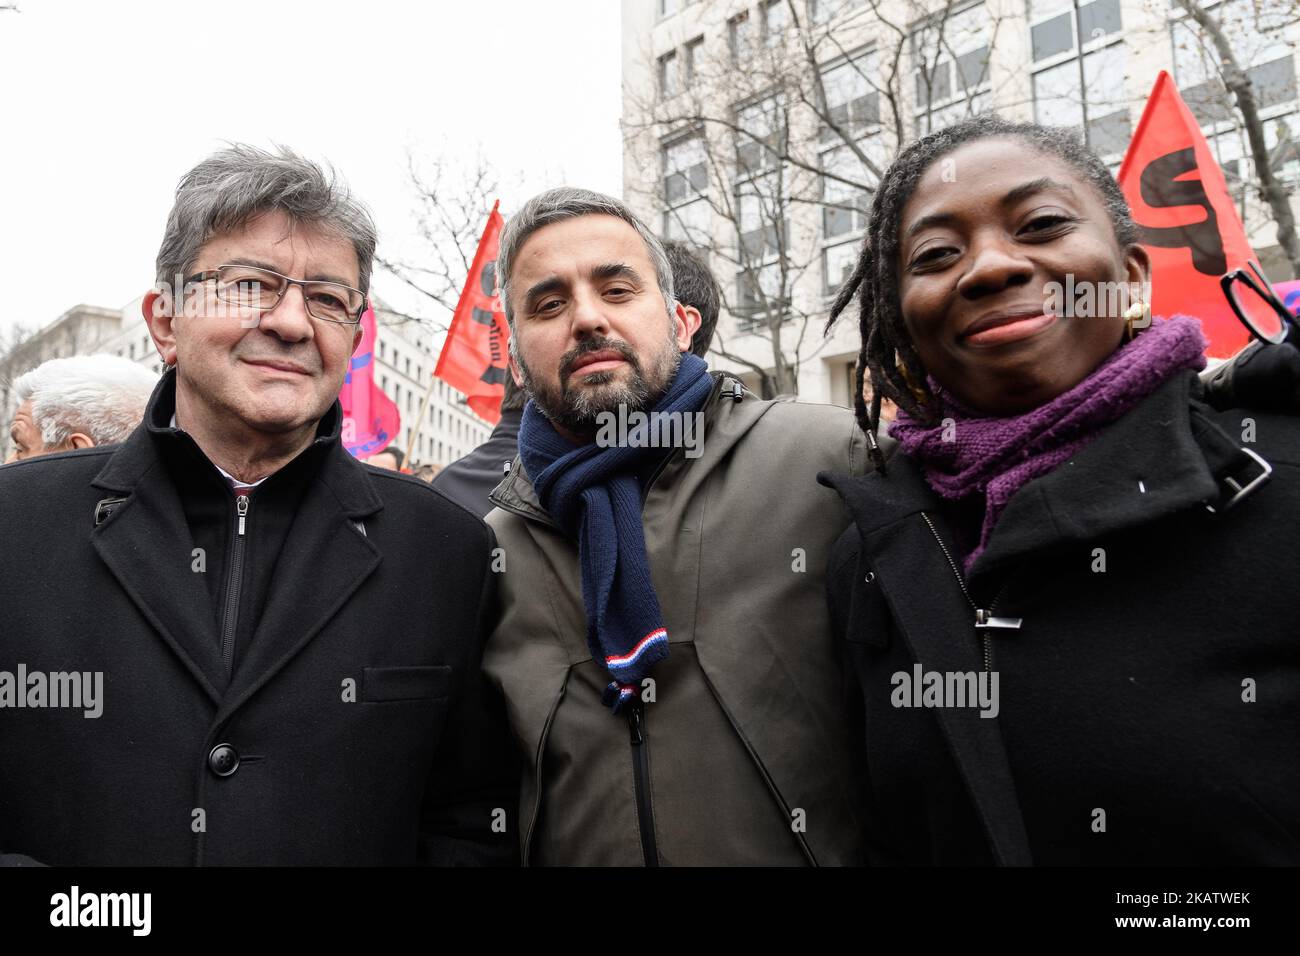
x=364, y=731
x=1149, y=702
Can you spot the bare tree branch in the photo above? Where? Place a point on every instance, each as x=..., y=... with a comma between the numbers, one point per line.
x=1238, y=82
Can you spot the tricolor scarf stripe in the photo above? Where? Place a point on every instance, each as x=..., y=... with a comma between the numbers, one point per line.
x=594, y=494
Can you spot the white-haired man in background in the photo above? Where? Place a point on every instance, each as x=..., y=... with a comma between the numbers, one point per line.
x=70, y=403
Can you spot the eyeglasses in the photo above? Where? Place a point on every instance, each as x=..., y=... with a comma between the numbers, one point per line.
x=1257, y=305
x=260, y=290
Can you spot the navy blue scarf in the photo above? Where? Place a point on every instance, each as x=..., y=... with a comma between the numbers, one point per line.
x=594, y=494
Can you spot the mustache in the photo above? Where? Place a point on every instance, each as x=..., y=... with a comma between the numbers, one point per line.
x=597, y=345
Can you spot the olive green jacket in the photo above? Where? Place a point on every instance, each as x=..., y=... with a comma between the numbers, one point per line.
x=752, y=759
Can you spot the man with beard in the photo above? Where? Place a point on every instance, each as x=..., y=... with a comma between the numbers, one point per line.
x=661, y=639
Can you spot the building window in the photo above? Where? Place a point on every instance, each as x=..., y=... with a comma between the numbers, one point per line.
x=760, y=136
x=1060, y=99
x=1257, y=31
x=761, y=190
x=822, y=12
x=852, y=104
x=408, y=367
x=668, y=7
x=759, y=296
x=685, y=183
x=1079, y=61
x=692, y=53
x=668, y=75
x=837, y=264
x=951, y=60
x=382, y=348
x=761, y=204
x=740, y=36
x=846, y=187
x=776, y=16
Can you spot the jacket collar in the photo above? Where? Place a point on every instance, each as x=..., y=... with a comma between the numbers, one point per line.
x=324, y=455
x=145, y=542
x=1164, y=456
x=725, y=422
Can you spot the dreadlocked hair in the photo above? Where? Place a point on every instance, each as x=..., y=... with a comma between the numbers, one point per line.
x=887, y=350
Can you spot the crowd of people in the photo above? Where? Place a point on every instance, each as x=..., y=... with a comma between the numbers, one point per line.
x=1019, y=606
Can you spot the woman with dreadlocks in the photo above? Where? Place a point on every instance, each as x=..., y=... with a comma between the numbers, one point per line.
x=1065, y=599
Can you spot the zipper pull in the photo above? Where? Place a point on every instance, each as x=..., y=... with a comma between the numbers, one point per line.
x=984, y=619
x=634, y=725
x=241, y=508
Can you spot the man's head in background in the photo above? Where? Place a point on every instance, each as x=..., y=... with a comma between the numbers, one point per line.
x=698, y=292
x=259, y=358
x=77, y=402
x=390, y=458
x=588, y=292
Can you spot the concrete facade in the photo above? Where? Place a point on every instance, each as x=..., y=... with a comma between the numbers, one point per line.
x=1019, y=58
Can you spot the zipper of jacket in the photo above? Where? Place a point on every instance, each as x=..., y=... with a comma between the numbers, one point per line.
x=984, y=617
x=233, y=582
x=641, y=783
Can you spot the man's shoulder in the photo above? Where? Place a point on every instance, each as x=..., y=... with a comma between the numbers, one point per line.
x=408, y=492
x=813, y=430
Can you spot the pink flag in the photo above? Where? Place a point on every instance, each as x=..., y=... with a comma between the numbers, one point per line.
x=371, y=422
x=1289, y=293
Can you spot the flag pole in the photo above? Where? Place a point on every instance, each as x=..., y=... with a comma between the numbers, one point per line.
x=414, y=431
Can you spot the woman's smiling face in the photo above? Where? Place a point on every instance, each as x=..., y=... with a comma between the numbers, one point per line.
x=986, y=232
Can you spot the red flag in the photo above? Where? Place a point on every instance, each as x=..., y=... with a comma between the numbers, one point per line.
x=1189, y=224
x=473, y=358
x=371, y=422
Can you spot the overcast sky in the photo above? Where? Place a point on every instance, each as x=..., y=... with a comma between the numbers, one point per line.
x=105, y=103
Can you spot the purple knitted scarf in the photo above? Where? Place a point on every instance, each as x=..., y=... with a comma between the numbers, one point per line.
x=996, y=457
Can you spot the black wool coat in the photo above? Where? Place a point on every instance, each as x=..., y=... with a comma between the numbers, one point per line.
x=357, y=726
x=1149, y=701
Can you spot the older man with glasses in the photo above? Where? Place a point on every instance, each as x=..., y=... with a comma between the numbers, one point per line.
x=274, y=647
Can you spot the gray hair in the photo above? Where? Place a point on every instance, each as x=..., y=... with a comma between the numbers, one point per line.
x=235, y=185
x=103, y=396
x=567, y=202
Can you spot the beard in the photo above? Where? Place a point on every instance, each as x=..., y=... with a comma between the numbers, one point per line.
x=576, y=409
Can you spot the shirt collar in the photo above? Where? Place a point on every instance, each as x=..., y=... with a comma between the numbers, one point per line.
x=234, y=482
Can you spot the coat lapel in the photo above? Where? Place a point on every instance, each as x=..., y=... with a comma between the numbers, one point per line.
x=938, y=627
x=326, y=558
x=147, y=546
